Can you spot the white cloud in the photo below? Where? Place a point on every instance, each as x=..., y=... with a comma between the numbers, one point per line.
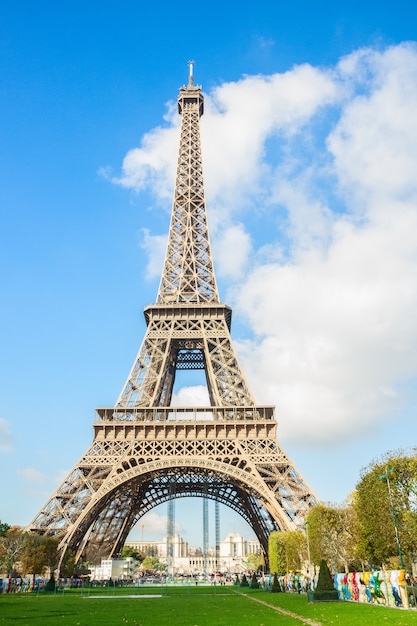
x=375, y=142
x=5, y=436
x=337, y=321
x=151, y=527
x=155, y=247
x=153, y=164
x=241, y=116
x=232, y=249
x=327, y=159
x=339, y=335
x=196, y=395
x=31, y=475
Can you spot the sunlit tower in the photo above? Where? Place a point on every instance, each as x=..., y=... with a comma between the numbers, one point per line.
x=145, y=451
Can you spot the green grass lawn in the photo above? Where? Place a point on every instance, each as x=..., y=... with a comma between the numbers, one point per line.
x=189, y=606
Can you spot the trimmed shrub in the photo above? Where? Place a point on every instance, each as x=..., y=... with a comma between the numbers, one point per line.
x=51, y=584
x=276, y=587
x=254, y=582
x=325, y=590
x=244, y=581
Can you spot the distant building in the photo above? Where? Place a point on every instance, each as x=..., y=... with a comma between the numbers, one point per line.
x=115, y=569
x=159, y=548
x=234, y=551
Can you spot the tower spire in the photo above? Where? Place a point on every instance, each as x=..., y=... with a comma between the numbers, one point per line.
x=188, y=274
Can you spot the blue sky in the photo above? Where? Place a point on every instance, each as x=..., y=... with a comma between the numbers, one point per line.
x=310, y=159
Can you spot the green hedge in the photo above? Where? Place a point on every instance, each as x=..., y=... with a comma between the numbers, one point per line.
x=323, y=596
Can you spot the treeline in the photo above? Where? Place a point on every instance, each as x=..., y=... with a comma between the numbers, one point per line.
x=24, y=553
x=375, y=527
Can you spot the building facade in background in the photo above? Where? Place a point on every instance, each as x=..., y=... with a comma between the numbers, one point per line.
x=234, y=551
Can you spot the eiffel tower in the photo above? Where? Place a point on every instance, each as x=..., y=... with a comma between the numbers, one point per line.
x=146, y=451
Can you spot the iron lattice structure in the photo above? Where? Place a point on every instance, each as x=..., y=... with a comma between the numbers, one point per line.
x=145, y=451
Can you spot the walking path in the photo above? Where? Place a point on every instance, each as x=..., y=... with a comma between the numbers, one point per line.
x=305, y=620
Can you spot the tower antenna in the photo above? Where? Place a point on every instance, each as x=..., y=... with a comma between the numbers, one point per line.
x=191, y=73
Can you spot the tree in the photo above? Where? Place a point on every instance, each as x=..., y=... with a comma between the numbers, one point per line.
x=152, y=563
x=129, y=551
x=332, y=533
x=276, y=553
x=254, y=582
x=387, y=508
x=82, y=569
x=4, y=527
x=287, y=551
x=295, y=549
x=12, y=545
x=68, y=567
x=40, y=554
x=255, y=561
